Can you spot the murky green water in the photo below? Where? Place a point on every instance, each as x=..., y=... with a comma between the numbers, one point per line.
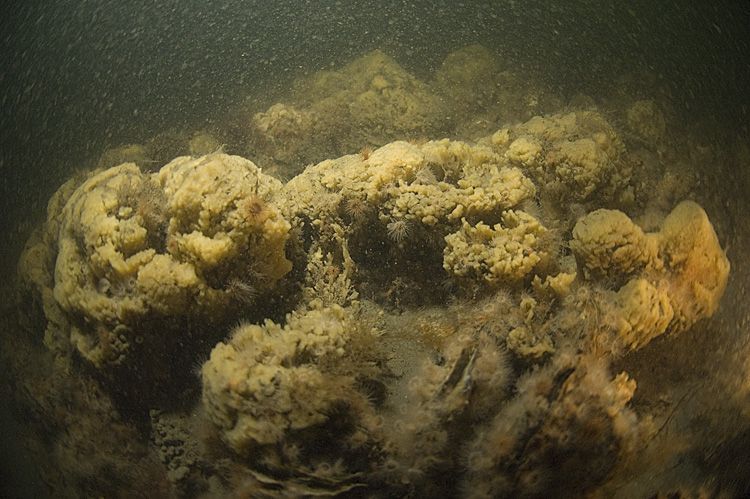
x=429, y=350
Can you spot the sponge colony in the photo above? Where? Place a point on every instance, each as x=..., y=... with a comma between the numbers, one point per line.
x=679, y=273
x=139, y=250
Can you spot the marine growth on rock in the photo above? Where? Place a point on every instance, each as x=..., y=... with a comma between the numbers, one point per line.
x=431, y=318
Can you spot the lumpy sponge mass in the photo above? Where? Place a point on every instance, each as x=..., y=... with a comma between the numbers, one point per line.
x=402, y=317
x=138, y=248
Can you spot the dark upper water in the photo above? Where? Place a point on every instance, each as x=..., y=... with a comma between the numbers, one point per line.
x=77, y=76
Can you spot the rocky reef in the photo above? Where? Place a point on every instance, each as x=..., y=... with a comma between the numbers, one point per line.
x=382, y=311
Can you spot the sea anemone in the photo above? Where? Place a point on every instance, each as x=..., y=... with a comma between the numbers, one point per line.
x=425, y=176
x=398, y=230
x=242, y=291
x=365, y=152
x=254, y=209
x=356, y=208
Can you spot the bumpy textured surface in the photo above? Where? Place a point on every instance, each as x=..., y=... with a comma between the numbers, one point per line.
x=641, y=312
x=577, y=156
x=503, y=254
x=609, y=244
x=423, y=318
x=582, y=408
x=267, y=381
x=135, y=248
x=371, y=101
x=697, y=266
x=431, y=185
x=675, y=277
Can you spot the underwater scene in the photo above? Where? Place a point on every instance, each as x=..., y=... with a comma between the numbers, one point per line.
x=359, y=250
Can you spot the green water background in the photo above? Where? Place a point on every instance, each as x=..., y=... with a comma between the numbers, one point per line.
x=79, y=75
x=76, y=76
